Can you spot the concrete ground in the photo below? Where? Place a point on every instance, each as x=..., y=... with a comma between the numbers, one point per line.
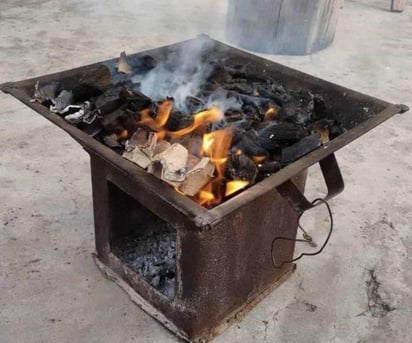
x=358, y=290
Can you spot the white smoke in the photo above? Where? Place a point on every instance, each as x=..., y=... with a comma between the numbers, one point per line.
x=182, y=75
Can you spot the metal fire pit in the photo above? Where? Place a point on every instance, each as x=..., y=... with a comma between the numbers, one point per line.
x=223, y=255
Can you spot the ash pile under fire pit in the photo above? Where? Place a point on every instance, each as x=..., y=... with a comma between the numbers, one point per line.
x=198, y=164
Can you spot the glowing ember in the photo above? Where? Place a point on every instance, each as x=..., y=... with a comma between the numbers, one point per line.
x=234, y=186
x=272, y=113
x=258, y=159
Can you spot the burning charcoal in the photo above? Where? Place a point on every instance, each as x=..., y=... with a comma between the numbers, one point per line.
x=272, y=113
x=109, y=101
x=233, y=114
x=197, y=177
x=219, y=124
x=241, y=167
x=279, y=134
x=84, y=92
x=247, y=141
x=98, y=76
x=194, y=104
x=173, y=161
x=123, y=66
x=47, y=92
x=136, y=100
x=62, y=101
x=301, y=148
x=111, y=121
x=324, y=134
x=77, y=117
x=179, y=120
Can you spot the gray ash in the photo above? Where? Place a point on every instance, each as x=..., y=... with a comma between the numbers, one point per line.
x=152, y=254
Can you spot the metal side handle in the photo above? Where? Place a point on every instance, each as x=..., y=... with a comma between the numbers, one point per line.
x=333, y=179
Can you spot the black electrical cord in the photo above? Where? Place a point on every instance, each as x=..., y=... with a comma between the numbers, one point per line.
x=307, y=238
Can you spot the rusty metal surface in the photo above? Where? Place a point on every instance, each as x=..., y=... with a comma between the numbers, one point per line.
x=334, y=183
x=220, y=268
x=224, y=259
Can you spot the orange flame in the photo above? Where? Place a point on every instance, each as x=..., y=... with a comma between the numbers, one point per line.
x=272, y=112
x=216, y=146
x=163, y=114
x=234, y=186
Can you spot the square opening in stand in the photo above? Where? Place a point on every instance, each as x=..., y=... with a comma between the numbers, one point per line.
x=145, y=243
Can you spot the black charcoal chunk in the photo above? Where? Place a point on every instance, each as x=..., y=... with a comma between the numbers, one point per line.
x=143, y=64
x=303, y=147
x=109, y=101
x=241, y=87
x=274, y=92
x=241, y=73
x=84, y=92
x=280, y=134
x=136, y=101
x=247, y=141
x=233, y=114
x=299, y=109
x=179, y=120
x=262, y=103
x=97, y=76
x=319, y=107
x=252, y=113
x=241, y=167
x=218, y=73
x=269, y=167
x=111, y=121
x=219, y=124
